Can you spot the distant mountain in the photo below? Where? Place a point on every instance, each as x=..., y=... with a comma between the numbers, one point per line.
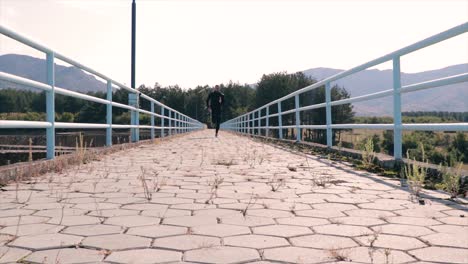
x=32, y=68
x=446, y=98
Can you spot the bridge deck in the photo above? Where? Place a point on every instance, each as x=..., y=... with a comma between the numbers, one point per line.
x=216, y=204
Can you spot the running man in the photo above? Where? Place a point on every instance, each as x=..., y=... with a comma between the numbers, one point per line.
x=214, y=102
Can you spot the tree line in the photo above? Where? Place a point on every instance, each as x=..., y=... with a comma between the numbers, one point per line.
x=242, y=98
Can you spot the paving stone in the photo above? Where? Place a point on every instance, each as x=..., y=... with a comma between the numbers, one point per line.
x=186, y=242
x=441, y=254
x=11, y=255
x=451, y=229
x=190, y=221
x=27, y=219
x=296, y=255
x=369, y=213
x=334, y=206
x=362, y=254
x=157, y=231
x=222, y=255
x=220, y=230
x=282, y=230
x=354, y=220
x=132, y=220
x=112, y=213
x=46, y=241
x=59, y=212
x=65, y=255
x=247, y=220
x=255, y=241
x=420, y=221
x=269, y=213
x=404, y=230
x=145, y=206
x=32, y=229
x=93, y=230
x=71, y=220
x=166, y=213
x=392, y=242
x=452, y=220
x=144, y=256
x=447, y=239
x=302, y=221
x=320, y=213
x=116, y=242
x=342, y=230
x=323, y=242
x=215, y=212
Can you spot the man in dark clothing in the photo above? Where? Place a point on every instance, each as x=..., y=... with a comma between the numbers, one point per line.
x=214, y=102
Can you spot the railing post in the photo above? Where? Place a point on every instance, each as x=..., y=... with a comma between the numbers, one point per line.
x=170, y=122
x=134, y=117
x=109, y=114
x=397, y=152
x=280, y=122
x=298, y=119
x=163, y=120
x=259, y=122
x=50, y=106
x=267, y=122
x=328, y=114
x=152, y=121
x=248, y=123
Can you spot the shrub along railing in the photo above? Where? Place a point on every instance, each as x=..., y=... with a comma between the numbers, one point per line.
x=176, y=121
x=251, y=121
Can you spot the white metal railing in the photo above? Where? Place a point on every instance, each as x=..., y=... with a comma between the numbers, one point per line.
x=177, y=122
x=246, y=122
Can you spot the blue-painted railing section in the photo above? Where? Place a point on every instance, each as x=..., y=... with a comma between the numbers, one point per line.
x=247, y=123
x=177, y=122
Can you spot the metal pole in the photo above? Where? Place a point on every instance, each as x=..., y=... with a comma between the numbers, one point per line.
x=50, y=106
x=397, y=152
x=152, y=120
x=109, y=114
x=163, y=120
x=267, y=122
x=259, y=121
x=170, y=123
x=328, y=114
x=298, y=119
x=133, y=42
x=280, y=121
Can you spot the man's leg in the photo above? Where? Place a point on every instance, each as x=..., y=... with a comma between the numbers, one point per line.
x=216, y=120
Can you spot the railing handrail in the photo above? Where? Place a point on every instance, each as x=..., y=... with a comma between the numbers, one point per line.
x=176, y=120
x=246, y=122
x=455, y=31
x=34, y=44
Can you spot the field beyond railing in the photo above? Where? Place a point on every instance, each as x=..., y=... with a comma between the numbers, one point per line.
x=258, y=121
x=171, y=120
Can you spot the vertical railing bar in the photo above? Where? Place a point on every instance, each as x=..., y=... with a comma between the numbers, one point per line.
x=280, y=121
x=109, y=114
x=163, y=120
x=152, y=120
x=50, y=106
x=397, y=151
x=267, y=122
x=328, y=114
x=298, y=118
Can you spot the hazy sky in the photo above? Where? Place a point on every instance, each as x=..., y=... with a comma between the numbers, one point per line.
x=206, y=42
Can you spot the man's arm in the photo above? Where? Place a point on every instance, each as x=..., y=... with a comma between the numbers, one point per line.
x=222, y=99
x=208, y=101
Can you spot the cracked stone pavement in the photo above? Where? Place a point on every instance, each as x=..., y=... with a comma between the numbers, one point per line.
x=212, y=201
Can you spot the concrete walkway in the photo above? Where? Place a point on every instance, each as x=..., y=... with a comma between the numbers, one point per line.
x=225, y=200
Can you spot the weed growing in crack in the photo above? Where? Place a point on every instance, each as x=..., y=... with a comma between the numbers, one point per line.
x=368, y=154
x=276, y=182
x=215, y=184
x=451, y=179
x=372, y=249
x=338, y=254
x=158, y=182
x=146, y=191
x=415, y=174
x=253, y=199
